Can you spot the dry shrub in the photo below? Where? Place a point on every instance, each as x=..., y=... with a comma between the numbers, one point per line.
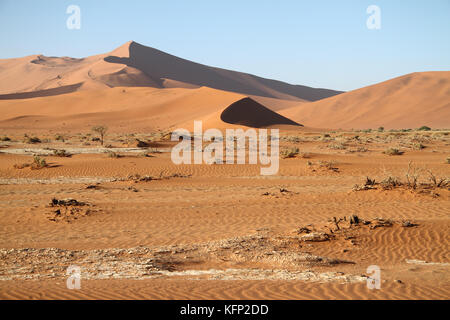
x=412, y=182
x=114, y=155
x=61, y=153
x=289, y=153
x=390, y=183
x=412, y=176
x=38, y=163
x=417, y=146
x=393, y=152
x=438, y=182
x=31, y=140
x=329, y=165
x=337, y=146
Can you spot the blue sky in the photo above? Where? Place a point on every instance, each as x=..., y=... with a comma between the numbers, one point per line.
x=316, y=43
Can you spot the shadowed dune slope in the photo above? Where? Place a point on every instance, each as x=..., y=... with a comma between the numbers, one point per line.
x=134, y=65
x=409, y=101
x=248, y=112
x=41, y=93
x=160, y=65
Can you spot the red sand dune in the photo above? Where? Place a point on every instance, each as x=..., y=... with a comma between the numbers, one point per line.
x=140, y=88
x=134, y=65
x=409, y=101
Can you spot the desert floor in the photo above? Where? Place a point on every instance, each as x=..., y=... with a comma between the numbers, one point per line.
x=144, y=228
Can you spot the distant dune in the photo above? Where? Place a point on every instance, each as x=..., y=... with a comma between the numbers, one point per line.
x=409, y=101
x=139, y=88
x=134, y=65
x=42, y=93
x=136, y=109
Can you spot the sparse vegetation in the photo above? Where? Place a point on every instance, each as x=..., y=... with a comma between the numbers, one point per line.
x=68, y=210
x=413, y=175
x=417, y=146
x=146, y=154
x=438, y=182
x=146, y=178
x=362, y=149
x=424, y=128
x=393, y=152
x=5, y=139
x=329, y=165
x=370, y=182
x=292, y=139
x=289, y=153
x=101, y=130
x=61, y=153
x=112, y=154
x=38, y=163
x=31, y=140
x=66, y=202
x=59, y=137
x=337, y=146
x=390, y=182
